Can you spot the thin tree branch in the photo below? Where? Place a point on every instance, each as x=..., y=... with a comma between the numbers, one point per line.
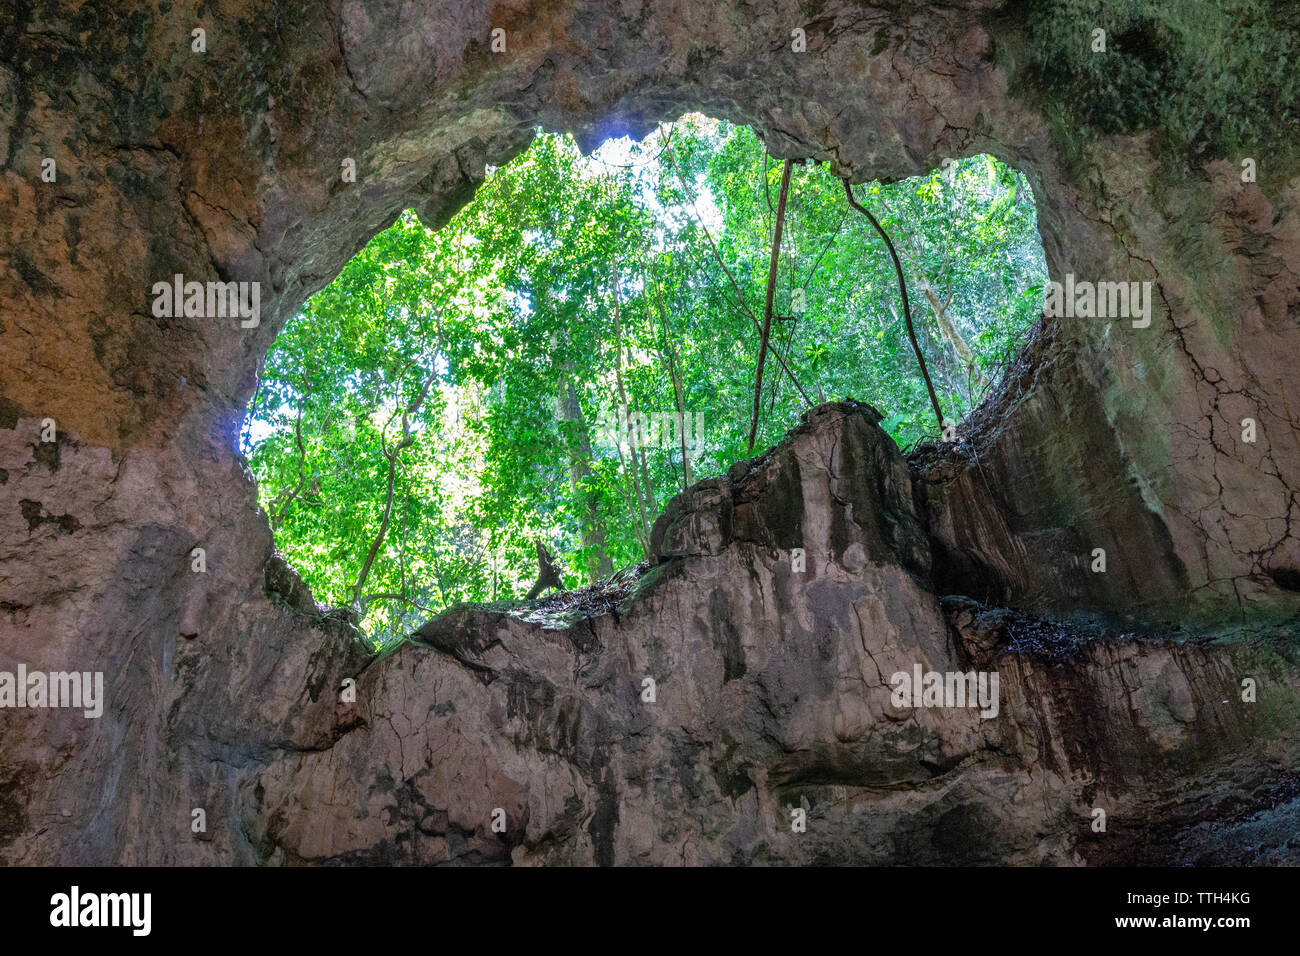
x=740, y=296
x=644, y=531
x=678, y=392
x=825, y=249
x=771, y=292
x=282, y=506
x=767, y=192
x=408, y=438
x=907, y=311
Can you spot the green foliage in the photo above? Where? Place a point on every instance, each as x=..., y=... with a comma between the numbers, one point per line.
x=1219, y=78
x=510, y=309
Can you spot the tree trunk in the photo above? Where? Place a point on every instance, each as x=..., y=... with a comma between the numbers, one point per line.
x=950, y=333
x=643, y=532
x=678, y=394
x=578, y=445
x=771, y=291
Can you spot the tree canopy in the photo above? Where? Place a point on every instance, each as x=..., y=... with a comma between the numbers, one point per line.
x=582, y=341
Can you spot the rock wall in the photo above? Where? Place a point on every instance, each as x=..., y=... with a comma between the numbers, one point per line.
x=222, y=686
x=773, y=691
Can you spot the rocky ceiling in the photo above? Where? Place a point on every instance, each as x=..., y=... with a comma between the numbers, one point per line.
x=222, y=687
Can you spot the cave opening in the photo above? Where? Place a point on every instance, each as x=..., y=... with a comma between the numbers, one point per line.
x=539, y=376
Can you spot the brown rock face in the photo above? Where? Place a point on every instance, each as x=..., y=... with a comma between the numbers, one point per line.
x=772, y=687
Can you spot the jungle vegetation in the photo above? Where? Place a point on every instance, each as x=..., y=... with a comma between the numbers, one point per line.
x=584, y=339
